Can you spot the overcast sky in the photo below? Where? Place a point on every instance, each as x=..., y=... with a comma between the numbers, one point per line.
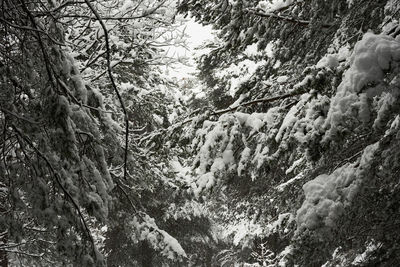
x=197, y=35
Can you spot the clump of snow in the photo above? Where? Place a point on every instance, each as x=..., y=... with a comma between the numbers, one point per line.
x=179, y=170
x=285, y=256
x=260, y=155
x=323, y=201
x=394, y=126
x=244, y=158
x=216, y=133
x=289, y=120
x=126, y=86
x=344, y=53
x=157, y=238
x=329, y=61
x=327, y=195
x=253, y=120
x=239, y=73
x=271, y=6
x=350, y=3
x=241, y=229
x=171, y=246
x=294, y=165
x=158, y=119
x=383, y=107
x=205, y=181
x=372, y=56
x=371, y=247
x=282, y=79
x=251, y=50
x=278, y=223
x=291, y=117
x=282, y=186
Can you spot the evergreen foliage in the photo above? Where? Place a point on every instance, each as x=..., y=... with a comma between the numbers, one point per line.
x=295, y=161
x=291, y=159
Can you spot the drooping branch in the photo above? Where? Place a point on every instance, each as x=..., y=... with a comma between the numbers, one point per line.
x=58, y=181
x=285, y=18
x=110, y=74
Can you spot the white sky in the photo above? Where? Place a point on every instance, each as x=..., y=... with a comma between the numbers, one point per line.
x=197, y=34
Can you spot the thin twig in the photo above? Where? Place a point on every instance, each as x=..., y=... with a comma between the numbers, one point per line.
x=24, y=253
x=18, y=116
x=26, y=28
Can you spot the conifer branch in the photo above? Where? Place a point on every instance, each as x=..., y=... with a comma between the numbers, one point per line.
x=250, y=103
x=285, y=18
x=257, y=101
x=58, y=181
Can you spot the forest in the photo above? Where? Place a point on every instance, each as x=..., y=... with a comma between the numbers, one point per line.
x=281, y=149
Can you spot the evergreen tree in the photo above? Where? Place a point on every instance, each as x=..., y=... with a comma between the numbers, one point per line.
x=81, y=96
x=297, y=161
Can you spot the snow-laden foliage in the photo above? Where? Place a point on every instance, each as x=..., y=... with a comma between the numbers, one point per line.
x=300, y=149
x=81, y=94
x=293, y=163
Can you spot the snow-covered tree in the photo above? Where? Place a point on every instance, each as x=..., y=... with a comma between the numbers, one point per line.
x=81, y=94
x=300, y=159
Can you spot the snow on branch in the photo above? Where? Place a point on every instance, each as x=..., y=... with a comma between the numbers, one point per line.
x=250, y=103
x=285, y=18
x=261, y=100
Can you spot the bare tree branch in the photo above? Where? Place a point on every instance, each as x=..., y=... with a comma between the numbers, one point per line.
x=26, y=28
x=109, y=70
